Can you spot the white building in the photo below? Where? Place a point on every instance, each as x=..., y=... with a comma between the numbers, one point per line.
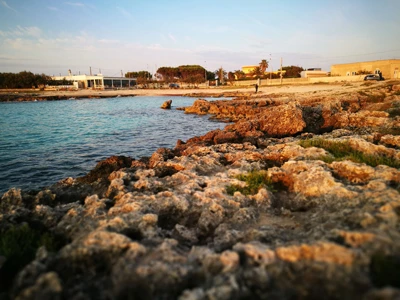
x=313, y=72
x=98, y=81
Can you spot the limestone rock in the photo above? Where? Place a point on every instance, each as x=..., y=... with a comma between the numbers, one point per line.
x=167, y=104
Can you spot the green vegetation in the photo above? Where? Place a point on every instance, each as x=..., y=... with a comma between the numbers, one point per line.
x=341, y=150
x=292, y=71
x=23, y=80
x=141, y=76
x=255, y=180
x=18, y=245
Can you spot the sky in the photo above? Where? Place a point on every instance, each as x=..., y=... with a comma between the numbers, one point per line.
x=110, y=37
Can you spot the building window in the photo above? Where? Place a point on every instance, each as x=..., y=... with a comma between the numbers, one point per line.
x=348, y=74
x=377, y=71
x=353, y=73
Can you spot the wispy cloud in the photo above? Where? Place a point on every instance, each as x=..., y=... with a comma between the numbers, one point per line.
x=124, y=12
x=172, y=37
x=107, y=41
x=53, y=8
x=4, y=3
x=75, y=4
x=20, y=31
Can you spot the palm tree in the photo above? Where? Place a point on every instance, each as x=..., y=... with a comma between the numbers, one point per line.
x=221, y=74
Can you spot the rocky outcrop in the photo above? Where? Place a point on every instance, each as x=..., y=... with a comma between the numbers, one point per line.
x=185, y=224
x=167, y=104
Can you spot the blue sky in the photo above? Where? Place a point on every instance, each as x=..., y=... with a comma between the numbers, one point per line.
x=50, y=37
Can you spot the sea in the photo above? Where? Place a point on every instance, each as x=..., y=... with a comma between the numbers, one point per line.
x=45, y=141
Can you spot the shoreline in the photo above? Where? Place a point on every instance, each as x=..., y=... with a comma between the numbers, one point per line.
x=32, y=95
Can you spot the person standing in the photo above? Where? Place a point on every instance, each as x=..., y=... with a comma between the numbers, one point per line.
x=256, y=86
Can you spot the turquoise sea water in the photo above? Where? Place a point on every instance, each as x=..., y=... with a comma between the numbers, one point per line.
x=44, y=142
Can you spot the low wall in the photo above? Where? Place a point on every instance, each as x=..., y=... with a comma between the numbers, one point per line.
x=336, y=79
x=265, y=82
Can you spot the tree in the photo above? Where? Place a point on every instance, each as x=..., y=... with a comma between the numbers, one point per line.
x=263, y=66
x=292, y=71
x=231, y=77
x=256, y=72
x=23, y=79
x=188, y=72
x=140, y=74
x=239, y=74
x=221, y=74
x=169, y=73
x=210, y=75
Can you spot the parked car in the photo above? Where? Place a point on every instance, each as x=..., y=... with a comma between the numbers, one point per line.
x=174, y=86
x=373, y=77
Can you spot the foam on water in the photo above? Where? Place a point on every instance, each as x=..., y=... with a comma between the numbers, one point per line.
x=44, y=142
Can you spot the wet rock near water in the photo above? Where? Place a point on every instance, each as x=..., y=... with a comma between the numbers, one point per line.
x=167, y=104
x=266, y=208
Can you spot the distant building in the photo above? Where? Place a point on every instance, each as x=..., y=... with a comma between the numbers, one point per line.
x=98, y=81
x=313, y=72
x=249, y=69
x=390, y=68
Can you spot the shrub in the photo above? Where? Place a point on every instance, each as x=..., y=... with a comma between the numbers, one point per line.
x=255, y=180
x=18, y=245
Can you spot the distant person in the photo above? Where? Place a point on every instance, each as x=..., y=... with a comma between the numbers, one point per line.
x=256, y=86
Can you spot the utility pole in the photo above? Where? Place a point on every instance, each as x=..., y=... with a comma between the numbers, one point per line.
x=281, y=71
x=270, y=70
x=90, y=71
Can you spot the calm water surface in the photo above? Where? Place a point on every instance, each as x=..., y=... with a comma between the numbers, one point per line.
x=44, y=142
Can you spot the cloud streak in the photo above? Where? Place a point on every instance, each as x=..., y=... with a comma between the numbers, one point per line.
x=79, y=4
x=172, y=38
x=124, y=12
x=4, y=3
x=20, y=31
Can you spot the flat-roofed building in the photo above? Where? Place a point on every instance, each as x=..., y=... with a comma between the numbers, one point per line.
x=313, y=72
x=98, y=81
x=390, y=68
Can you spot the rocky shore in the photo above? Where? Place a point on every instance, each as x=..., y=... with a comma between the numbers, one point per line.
x=297, y=198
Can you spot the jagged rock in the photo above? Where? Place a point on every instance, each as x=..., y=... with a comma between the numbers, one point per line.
x=167, y=104
x=104, y=168
x=282, y=120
